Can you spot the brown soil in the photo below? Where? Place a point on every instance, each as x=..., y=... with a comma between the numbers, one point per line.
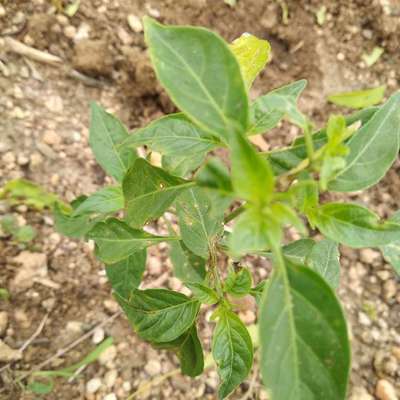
x=43, y=137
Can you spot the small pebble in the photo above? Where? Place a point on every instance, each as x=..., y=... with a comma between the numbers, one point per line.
x=363, y=319
x=8, y=158
x=135, y=23
x=389, y=289
x=368, y=256
x=22, y=160
x=175, y=283
x=98, y=336
x=110, y=396
x=51, y=138
x=108, y=355
x=385, y=390
x=153, y=367
x=93, y=385
x=340, y=57
x=154, y=265
x=70, y=31
x=110, y=377
x=111, y=306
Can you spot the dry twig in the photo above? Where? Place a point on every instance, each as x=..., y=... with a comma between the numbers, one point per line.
x=22, y=49
x=72, y=345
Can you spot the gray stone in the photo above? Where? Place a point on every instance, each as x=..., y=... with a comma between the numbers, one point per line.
x=33, y=265
x=7, y=354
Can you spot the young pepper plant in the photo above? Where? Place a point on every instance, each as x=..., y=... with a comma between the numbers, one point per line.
x=304, y=345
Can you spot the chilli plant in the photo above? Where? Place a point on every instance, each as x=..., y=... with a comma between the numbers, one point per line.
x=220, y=213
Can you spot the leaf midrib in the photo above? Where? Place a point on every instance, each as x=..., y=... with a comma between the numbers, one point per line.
x=196, y=78
x=161, y=191
x=368, y=143
x=113, y=145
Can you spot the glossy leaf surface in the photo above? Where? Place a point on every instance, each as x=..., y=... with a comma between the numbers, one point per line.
x=104, y=201
x=149, y=191
x=159, y=315
x=126, y=274
x=200, y=219
x=373, y=149
x=355, y=226
x=171, y=135
x=359, y=98
x=304, y=345
x=232, y=350
x=201, y=75
x=391, y=251
x=188, y=267
x=252, y=176
x=268, y=110
x=106, y=133
x=115, y=240
x=252, y=54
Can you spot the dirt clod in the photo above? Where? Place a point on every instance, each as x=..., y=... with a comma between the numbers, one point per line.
x=93, y=57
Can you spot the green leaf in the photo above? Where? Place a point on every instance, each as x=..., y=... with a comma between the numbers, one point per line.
x=188, y=267
x=258, y=290
x=105, y=201
x=252, y=54
x=232, y=350
x=182, y=144
x=25, y=234
x=126, y=274
x=173, y=135
x=4, y=294
x=298, y=251
x=72, y=226
x=182, y=165
x=149, y=191
x=91, y=357
x=371, y=58
x=238, y=283
x=9, y=224
x=373, y=149
x=72, y=8
x=215, y=175
x=201, y=75
x=283, y=160
x=391, y=251
x=191, y=354
x=355, y=226
x=250, y=233
x=73, y=369
x=304, y=345
x=159, y=315
x=22, y=191
x=252, y=176
x=268, y=110
x=106, y=133
x=115, y=240
x=324, y=259
x=305, y=195
x=359, y=98
x=203, y=293
x=40, y=388
x=189, y=351
x=200, y=219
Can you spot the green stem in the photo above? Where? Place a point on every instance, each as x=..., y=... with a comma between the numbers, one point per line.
x=213, y=263
x=234, y=213
x=309, y=143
